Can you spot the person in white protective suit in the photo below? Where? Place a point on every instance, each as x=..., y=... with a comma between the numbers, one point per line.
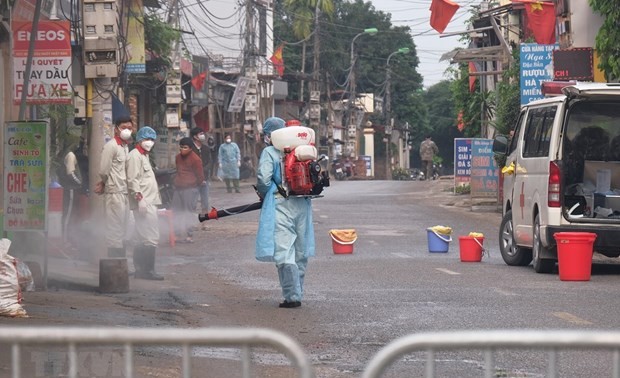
x=143, y=200
x=285, y=231
x=113, y=185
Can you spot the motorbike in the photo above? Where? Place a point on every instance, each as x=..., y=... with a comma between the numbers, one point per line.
x=342, y=170
x=436, y=171
x=165, y=183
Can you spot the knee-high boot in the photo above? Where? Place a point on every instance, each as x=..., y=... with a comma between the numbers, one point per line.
x=289, y=281
x=138, y=261
x=149, y=264
x=116, y=252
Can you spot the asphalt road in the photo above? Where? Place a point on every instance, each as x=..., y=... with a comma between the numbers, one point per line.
x=355, y=304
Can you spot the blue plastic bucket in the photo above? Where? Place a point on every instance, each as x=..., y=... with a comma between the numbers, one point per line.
x=438, y=243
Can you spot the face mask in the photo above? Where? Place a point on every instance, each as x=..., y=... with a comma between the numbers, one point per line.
x=267, y=139
x=228, y=140
x=125, y=134
x=202, y=137
x=148, y=144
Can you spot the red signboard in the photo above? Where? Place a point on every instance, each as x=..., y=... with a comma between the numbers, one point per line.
x=50, y=73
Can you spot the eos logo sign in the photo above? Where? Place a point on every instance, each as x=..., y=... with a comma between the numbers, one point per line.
x=43, y=35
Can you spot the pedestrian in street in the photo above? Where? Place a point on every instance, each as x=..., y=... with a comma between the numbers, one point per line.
x=143, y=200
x=285, y=231
x=187, y=182
x=229, y=159
x=113, y=186
x=70, y=179
x=428, y=150
x=198, y=137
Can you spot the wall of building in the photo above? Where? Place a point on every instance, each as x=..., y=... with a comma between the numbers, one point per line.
x=584, y=24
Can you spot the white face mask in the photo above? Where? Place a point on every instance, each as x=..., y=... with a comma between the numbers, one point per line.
x=125, y=134
x=228, y=140
x=148, y=144
x=202, y=137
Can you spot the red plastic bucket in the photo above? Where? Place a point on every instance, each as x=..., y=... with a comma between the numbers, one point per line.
x=471, y=248
x=575, y=251
x=55, y=201
x=340, y=248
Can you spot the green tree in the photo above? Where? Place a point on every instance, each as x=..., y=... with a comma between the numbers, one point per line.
x=608, y=38
x=442, y=121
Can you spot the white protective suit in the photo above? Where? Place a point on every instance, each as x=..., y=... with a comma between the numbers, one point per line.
x=141, y=179
x=114, y=175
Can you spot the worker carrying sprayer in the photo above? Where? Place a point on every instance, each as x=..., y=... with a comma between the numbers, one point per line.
x=288, y=177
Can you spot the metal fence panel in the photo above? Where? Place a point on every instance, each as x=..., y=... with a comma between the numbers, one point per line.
x=490, y=341
x=128, y=338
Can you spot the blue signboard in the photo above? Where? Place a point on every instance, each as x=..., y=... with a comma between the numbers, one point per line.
x=484, y=171
x=536, y=67
x=462, y=161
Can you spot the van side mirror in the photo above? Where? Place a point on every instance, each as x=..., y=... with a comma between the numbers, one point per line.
x=500, y=145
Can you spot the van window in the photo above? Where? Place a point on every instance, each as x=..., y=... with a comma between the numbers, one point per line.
x=515, y=135
x=594, y=129
x=538, y=131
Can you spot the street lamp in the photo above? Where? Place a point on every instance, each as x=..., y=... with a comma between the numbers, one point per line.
x=388, y=109
x=352, y=95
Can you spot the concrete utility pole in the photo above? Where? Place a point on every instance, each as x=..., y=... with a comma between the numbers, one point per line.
x=388, y=111
x=315, y=89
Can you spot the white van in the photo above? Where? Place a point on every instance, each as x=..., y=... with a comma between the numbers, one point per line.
x=563, y=175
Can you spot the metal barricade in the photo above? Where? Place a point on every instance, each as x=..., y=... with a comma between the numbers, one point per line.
x=490, y=341
x=129, y=338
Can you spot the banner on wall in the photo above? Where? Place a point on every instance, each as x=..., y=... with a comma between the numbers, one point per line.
x=484, y=172
x=25, y=176
x=49, y=81
x=536, y=66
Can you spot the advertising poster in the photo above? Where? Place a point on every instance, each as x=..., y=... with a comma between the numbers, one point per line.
x=49, y=81
x=25, y=176
x=136, y=56
x=462, y=161
x=536, y=67
x=484, y=171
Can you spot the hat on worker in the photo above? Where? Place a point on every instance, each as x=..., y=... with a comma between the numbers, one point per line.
x=272, y=124
x=187, y=141
x=195, y=131
x=146, y=132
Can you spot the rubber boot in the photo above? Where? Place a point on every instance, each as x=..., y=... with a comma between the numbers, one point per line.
x=236, y=185
x=149, y=264
x=138, y=261
x=116, y=252
x=289, y=281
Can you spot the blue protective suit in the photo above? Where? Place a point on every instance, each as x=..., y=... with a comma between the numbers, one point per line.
x=229, y=158
x=285, y=231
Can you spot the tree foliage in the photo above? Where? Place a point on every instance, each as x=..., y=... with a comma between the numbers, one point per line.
x=508, y=97
x=608, y=38
x=442, y=120
x=159, y=37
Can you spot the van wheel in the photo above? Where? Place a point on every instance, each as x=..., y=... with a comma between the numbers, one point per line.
x=511, y=253
x=541, y=264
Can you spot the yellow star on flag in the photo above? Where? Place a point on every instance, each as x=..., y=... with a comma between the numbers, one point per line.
x=537, y=6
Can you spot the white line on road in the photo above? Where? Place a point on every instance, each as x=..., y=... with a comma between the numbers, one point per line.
x=402, y=255
x=447, y=271
x=504, y=292
x=566, y=316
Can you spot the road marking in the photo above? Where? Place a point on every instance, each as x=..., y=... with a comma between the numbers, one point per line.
x=566, y=316
x=448, y=271
x=402, y=255
x=504, y=292
x=323, y=216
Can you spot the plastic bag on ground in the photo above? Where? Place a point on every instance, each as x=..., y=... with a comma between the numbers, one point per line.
x=10, y=293
x=24, y=276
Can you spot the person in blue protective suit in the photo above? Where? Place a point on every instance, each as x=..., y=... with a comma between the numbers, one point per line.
x=285, y=231
x=229, y=158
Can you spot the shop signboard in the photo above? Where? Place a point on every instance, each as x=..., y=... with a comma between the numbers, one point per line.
x=25, y=176
x=536, y=66
x=484, y=174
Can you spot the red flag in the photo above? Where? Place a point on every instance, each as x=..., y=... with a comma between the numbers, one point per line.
x=540, y=20
x=442, y=12
x=199, y=80
x=277, y=60
x=202, y=119
x=472, y=78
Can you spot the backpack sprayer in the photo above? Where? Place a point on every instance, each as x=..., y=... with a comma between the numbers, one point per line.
x=302, y=173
